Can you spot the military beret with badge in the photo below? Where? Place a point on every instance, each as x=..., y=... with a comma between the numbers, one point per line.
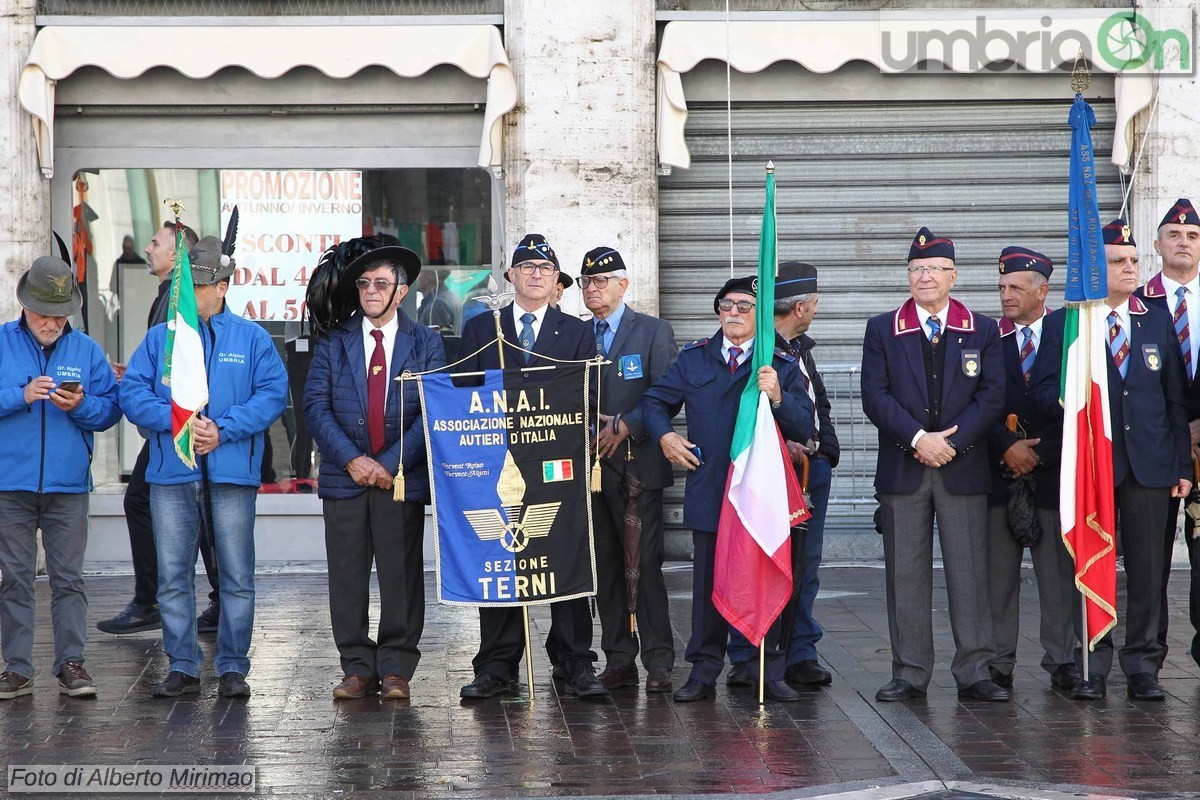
x=747, y=284
x=926, y=245
x=1118, y=232
x=1023, y=259
x=1182, y=213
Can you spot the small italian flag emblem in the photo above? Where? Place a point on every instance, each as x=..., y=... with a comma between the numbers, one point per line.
x=557, y=471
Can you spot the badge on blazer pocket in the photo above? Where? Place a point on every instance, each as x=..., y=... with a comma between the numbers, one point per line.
x=630, y=367
x=970, y=363
x=1151, y=357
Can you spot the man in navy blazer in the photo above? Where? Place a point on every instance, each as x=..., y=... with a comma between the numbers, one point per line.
x=1151, y=460
x=1176, y=290
x=368, y=428
x=532, y=329
x=708, y=378
x=933, y=384
x=1031, y=453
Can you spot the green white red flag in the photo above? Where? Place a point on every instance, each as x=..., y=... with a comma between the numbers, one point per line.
x=183, y=365
x=1087, y=504
x=752, y=580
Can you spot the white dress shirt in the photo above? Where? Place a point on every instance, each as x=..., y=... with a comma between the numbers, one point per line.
x=538, y=317
x=746, y=346
x=389, y=340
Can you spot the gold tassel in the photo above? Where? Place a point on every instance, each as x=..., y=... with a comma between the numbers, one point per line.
x=596, y=475
x=398, y=485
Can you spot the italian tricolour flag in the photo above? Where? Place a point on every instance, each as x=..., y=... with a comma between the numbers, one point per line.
x=752, y=579
x=183, y=366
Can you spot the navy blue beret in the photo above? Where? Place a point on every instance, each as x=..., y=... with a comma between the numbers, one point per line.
x=1022, y=259
x=747, y=284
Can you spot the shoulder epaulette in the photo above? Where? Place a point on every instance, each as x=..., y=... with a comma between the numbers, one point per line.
x=784, y=354
x=695, y=344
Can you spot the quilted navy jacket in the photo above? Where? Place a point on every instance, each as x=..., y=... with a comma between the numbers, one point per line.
x=335, y=406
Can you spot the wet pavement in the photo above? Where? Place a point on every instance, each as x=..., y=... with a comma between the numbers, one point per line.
x=837, y=739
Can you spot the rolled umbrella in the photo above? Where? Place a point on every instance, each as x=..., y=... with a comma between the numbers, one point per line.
x=1023, y=522
x=632, y=487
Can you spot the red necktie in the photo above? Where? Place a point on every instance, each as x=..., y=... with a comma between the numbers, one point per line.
x=376, y=394
x=734, y=352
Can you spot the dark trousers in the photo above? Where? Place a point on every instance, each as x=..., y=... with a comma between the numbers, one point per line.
x=706, y=645
x=141, y=538
x=1140, y=520
x=1193, y=551
x=298, y=363
x=654, y=638
x=502, y=639
x=374, y=528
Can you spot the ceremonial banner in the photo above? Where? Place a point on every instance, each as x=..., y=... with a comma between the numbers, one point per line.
x=183, y=366
x=509, y=470
x=1087, y=495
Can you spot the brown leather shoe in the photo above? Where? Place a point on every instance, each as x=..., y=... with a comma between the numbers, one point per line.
x=616, y=677
x=355, y=686
x=394, y=687
x=658, y=679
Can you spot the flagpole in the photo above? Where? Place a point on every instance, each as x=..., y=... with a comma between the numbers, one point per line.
x=762, y=668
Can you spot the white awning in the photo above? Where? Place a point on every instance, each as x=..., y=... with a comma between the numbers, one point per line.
x=1040, y=41
x=268, y=52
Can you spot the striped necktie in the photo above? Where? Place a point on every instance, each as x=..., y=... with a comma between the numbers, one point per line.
x=734, y=352
x=935, y=330
x=1118, y=344
x=527, y=338
x=601, y=331
x=1027, y=352
x=1183, y=333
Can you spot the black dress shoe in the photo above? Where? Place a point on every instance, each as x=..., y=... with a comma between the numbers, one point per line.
x=808, y=673
x=486, y=685
x=986, y=691
x=780, y=691
x=1001, y=679
x=1143, y=686
x=1092, y=689
x=740, y=674
x=896, y=690
x=1065, y=676
x=658, y=680
x=586, y=686
x=618, y=677
x=694, y=690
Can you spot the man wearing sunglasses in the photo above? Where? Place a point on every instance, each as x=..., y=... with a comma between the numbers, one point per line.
x=357, y=411
x=708, y=378
x=639, y=348
x=933, y=384
x=532, y=328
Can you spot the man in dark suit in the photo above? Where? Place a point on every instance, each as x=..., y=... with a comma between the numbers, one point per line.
x=1150, y=455
x=933, y=384
x=1176, y=290
x=640, y=348
x=1031, y=453
x=795, y=308
x=708, y=377
x=530, y=323
x=142, y=613
x=353, y=379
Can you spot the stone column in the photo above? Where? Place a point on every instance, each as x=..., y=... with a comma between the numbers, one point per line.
x=24, y=193
x=579, y=146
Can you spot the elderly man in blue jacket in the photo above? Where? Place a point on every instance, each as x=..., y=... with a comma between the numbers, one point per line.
x=368, y=427
x=247, y=389
x=56, y=389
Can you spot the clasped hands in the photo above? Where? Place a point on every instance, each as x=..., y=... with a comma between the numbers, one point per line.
x=933, y=450
x=366, y=471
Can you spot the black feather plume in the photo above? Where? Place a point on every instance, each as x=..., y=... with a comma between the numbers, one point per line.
x=330, y=300
x=230, y=242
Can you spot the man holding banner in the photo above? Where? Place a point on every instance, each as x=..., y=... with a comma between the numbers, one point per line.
x=708, y=378
x=353, y=379
x=204, y=392
x=538, y=335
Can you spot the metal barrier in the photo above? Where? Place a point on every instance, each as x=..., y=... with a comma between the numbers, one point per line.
x=852, y=489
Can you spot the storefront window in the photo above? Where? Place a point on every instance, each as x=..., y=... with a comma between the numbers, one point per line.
x=286, y=220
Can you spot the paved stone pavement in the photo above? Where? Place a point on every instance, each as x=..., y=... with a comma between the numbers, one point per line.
x=836, y=740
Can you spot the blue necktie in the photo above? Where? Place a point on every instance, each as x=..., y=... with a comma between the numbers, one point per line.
x=1183, y=333
x=935, y=330
x=1118, y=344
x=1028, y=354
x=527, y=334
x=734, y=352
x=601, y=330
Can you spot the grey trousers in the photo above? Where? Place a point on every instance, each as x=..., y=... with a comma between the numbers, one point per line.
x=63, y=520
x=1055, y=572
x=908, y=557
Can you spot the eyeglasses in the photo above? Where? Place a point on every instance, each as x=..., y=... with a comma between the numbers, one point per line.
x=380, y=285
x=601, y=281
x=930, y=270
x=529, y=267
x=743, y=306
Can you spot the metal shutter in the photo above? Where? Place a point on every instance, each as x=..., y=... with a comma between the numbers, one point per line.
x=855, y=182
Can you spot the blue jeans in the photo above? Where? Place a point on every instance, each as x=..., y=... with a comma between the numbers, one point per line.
x=806, y=632
x=178, y=512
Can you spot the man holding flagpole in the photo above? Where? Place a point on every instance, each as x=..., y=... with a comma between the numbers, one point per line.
x=204, y=389
x=709, y=378
x=933, y=384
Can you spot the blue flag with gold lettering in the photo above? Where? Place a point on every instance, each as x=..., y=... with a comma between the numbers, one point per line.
x=509, y=477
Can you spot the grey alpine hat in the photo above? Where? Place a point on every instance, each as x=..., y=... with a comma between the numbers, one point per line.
x=48, y=288
x=209, y=264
